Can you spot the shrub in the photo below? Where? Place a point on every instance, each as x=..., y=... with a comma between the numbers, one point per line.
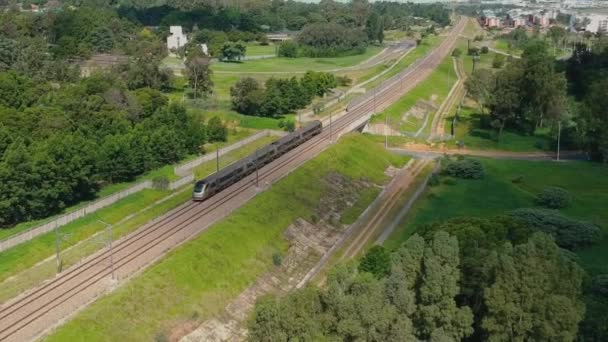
x=554, y=198
x=160, y=183
x=434, y=180
x=568, y=233
x=277, y=259
x=456, y=53
x=485, y=49
x=498, y=61
x=518, y=179
x=464, y=168
x=288, y=49
x=344, y=81
x=478, y=38
x=473, y=51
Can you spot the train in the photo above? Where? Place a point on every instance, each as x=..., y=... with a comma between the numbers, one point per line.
x=207, y=187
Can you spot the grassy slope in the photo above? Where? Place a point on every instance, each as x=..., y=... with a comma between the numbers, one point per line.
x=200, y=278
x=436, y=84
x=496, y=194
x=27, y=254
x=272, y=65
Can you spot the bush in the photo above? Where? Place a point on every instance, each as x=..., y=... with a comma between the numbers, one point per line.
x=498, y=61
x=518, y=179
x=344, y=81
x=456, y=53
x=434, y=180
x=568, y=233
x=478, y=38
x=288, y=49
x=277, y=259
x=465, y=169
x=554, y=198
x=485, y=49
x=160, y=183
x=473, y=51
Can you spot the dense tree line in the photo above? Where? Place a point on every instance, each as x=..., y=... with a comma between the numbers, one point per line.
x=279, y=96
x=586, y=71
x=462, y=279
x=60, y=144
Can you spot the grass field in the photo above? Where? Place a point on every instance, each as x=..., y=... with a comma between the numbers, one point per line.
x=497, y=194
x=200, y=278
x=279, y=64
x=438, y=84
x=260, y=50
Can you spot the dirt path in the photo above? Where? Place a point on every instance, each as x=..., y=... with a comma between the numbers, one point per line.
x=426, y=151
x=371, y=227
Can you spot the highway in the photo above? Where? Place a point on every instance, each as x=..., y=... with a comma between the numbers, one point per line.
x=32, y=314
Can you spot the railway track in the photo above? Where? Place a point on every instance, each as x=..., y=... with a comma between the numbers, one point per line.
x=34, y=312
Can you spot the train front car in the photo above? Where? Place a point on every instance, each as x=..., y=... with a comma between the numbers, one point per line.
x=199, y=191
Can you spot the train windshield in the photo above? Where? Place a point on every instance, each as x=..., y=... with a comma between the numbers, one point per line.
x=200, y=187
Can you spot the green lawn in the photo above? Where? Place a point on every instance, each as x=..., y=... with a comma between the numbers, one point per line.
x=394, y=35
x=503, y=45
x=260, y=50
x=274, y=65
x=438, y=83
x=497, y=194
x=25, y=255
x=201, y=277
x=470, y=131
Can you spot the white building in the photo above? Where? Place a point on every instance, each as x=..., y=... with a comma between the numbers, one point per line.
x=597, y=23
x=176, y=39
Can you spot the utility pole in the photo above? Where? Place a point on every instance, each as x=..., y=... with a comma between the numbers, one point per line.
x=217, y=159
x=330, y=128
x=57, y=247
x=386, y=131
x=559, y=133
x=257, y=175
x=109, y=229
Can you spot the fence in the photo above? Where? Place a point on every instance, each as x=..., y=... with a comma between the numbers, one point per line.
x=185, y=168
x=14, y=240
x=182, y=170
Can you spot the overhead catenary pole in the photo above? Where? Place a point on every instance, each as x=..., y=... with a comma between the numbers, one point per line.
x=217, y=159
x=257, y=175
x=57, y=247
x=109, y=229
x=559, y=133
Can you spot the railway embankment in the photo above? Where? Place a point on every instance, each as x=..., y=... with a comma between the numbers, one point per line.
x=200, y=279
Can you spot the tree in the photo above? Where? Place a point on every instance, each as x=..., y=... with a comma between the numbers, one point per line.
x=216, y=130
x=479, y=86
x=231, y=51
x=532, y=278
x=245, y=96
x=506, y=97
x=374, y=28
x=8, y=53
x=199, y=74
x=376, y=261
x=557, y=34
x=440, y=318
